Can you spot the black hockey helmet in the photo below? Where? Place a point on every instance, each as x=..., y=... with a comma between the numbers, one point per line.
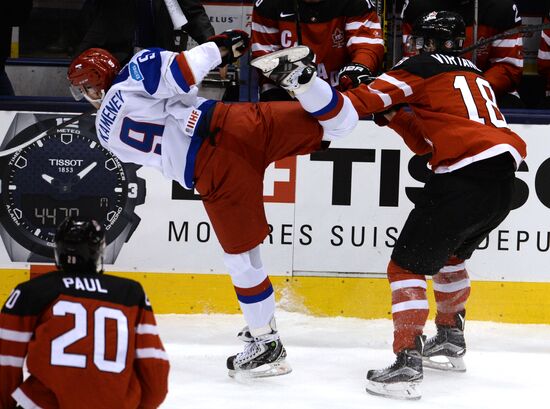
x=79, y=246
x=439, y=31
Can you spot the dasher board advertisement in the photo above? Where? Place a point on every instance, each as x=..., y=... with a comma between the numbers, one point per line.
x=336, y=212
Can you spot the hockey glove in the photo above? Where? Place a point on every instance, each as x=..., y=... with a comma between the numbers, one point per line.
x=353, y=75
x=235, y=42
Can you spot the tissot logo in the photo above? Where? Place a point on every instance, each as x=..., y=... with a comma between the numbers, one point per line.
x=65, y=162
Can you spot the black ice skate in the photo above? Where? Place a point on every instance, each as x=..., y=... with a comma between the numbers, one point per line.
x=292, y=68
x=445, y=351
x=402, y=379
x=263, y=356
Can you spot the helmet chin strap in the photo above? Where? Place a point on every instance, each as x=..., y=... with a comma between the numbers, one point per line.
x=95, y=102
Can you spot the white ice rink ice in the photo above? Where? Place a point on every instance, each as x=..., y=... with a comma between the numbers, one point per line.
x=507, y=366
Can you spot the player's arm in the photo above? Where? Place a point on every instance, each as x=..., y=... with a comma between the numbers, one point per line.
x=198, y=24
x=506, y=54
x=16, y=330
x=393, y=88
x=364, y=39
x=506, y=58
x=151, y=364
x=265, y=34
x=265, y=39
x=543, y=58
x=163, y=74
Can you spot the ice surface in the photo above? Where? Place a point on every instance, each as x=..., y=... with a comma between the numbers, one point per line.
x=507, y=366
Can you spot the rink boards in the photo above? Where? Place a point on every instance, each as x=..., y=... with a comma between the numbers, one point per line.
x=335, y=216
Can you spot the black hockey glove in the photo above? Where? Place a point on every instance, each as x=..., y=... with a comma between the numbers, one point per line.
x=353, y=75
x=236, y=42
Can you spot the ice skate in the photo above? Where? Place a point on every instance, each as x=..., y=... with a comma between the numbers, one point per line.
x=400, y=380
x=291, y=68
x=445, y=351
x=263, y=356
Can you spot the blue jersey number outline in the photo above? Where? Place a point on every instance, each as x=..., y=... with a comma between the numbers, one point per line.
x=148, y=132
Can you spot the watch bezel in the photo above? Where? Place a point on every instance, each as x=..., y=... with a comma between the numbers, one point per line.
x=86, y=126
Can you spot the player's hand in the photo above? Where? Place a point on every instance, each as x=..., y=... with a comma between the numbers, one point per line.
x=232, y=44
x=353, y=75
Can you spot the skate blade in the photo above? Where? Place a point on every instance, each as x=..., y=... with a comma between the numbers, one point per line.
x=398, y=390
x=444, y=363
x=273, y=369
x=267, y=63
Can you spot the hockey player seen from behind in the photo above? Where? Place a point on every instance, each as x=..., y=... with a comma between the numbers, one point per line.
x=89, y=339
x=453, y=116
x=501, y=61
x=150, y=114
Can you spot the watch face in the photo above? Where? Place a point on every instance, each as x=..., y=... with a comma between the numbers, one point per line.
x=65, y=173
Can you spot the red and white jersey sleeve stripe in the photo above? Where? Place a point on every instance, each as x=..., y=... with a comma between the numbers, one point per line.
x=543, y=59
x=151, y=361
x=505, y=63
x=15, y=334
x=265, y=35
x=388, y=89
x=365, y=42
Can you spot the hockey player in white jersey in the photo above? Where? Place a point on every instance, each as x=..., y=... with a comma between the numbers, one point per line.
x=149, y=113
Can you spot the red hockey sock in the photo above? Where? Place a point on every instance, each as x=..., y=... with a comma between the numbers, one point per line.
x=451, y=290
x=409, y=306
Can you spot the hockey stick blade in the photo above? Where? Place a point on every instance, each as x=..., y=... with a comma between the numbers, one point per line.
x=17, y=148
x=517, y=30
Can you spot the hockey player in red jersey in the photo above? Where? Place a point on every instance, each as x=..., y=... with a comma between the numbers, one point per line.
x=501, y=61
x=473, y=157
x=345, y=36
x=150, y=114
x=543, y=61
x=89, y=339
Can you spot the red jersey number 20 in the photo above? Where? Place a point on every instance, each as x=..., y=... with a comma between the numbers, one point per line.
x=61, y=358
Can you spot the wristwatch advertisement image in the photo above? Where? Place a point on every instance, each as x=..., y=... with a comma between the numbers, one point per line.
x=67, y=172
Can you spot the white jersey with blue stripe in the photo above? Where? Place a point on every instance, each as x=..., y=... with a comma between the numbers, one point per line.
x=150, y=114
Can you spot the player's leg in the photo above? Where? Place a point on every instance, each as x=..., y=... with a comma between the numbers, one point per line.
x=229, y=176
x=428, y=238
x=294, y=71
x=409, y=312
x=264, y=354
x=446, y=349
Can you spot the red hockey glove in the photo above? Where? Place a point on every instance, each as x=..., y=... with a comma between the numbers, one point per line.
x=235, y=42
x=353, y=75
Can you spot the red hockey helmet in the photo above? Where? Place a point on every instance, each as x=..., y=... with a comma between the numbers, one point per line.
x=95, y=68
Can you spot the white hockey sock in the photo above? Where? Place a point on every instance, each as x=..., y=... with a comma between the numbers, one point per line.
x=253, y=288
x=317, y=96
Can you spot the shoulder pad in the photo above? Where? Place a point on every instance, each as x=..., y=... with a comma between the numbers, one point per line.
x=34, y=295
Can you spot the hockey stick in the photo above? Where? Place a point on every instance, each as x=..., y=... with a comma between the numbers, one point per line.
x=298, y=22
x=74, y=119
x=176, y=14
x=517, y=30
